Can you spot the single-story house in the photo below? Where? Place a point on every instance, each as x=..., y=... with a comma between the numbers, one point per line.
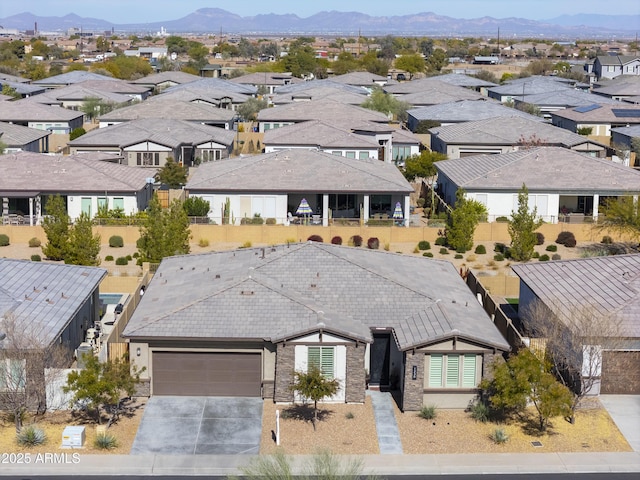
x=23, y=89
x=69, y=78
x=74, y=97
x=44, y=304
x=160, y=81
x=207, y=84
x=431, y=91
x=18, y=138
x=564, y=185
x=506, y=134
x=156, y=107
x=121, y=87
x=523, y=87
x=148, y=142
x=41, y=117
x=239, y=323
x=273, y=185
x=216, y=98
x=611, y=66
x=269, y=81
x=600, y=118
x=365, y=80
x=609, y=287
x=560, y=99
x=345, y=96
x=85, y=181
x=624, y=136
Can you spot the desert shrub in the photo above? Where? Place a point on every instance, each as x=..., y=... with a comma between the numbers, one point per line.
x=116, y=241
x=498, y=257
x=203, y=242
x=270, y=221
x=424, y=245
x=105, y=441
x=556, y=256
x=416, y=249
x=551, y=248
x=428, y=412
x=606, y=239
x=315, y=238
x=441, y=241
x=129, y=257
x=568, y=239
x=502, y=219
x=480, y=250
x=458, y=256
x=246, y=244
x=4, y=240
x=356, y=241
x=535, y=255
x=136, y=254
x=35, y=242
x=427, y=254
x=140, y=243
x=349, y=416
x=499, y=436
x=420, y=202
x=36, y=258
x=337, y=240
x=544, y=258
x=471, y=258
x=373, y=243
x=108, y=258
x=444, y=251
x=387, y=246
x=499, y=247
x=122, y=261
x=31, y=436
x=539, y=238
x=480, y=411
x=257, y=219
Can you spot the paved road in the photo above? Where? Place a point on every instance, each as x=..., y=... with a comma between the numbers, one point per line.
x=550, y=476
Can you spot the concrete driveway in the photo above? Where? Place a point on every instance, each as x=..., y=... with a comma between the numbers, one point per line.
x=625, y=411
x=200, y=425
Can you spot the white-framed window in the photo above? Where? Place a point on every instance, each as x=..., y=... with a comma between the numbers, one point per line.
x=453, y=370
x=148, y=158
x=323, y=358
x=210, y=155
x=12, y=375
x=363, y=155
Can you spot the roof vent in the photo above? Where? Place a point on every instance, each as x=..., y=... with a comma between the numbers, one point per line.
x=247, y=292
x=217, y=275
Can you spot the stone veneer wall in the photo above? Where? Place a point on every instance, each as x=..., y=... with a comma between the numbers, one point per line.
x=355, y=381
x=143, y=389
x=268, y=389
x=412, y=396
x=285, y=366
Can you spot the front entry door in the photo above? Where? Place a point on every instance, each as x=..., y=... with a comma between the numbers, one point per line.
x=379, y=361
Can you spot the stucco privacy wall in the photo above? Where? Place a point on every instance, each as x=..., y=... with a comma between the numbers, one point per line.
x=272, y=234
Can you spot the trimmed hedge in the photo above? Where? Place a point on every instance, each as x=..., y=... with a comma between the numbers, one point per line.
x=568, y=239
x=116, y=241
x=424, y=245
x=480, y=250
x=373, y=243
x=337, y=240
x=4, y=240
x=315, y=238
x=444, y=251
x=108, y=258
x=356, y=241
x=36, y=258
x=34, y=242
x=539, y=238
x=544, y=258
x=427, y=254
x=441, y=241
x=551, y=248
x=122, y=261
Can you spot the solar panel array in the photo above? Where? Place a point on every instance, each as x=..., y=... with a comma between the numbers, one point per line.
x=628, y=113
x=586, y=108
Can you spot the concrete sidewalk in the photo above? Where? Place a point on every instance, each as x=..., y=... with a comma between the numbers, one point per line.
x=223, y=465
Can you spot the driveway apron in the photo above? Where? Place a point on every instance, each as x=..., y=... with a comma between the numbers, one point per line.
x=200, y=425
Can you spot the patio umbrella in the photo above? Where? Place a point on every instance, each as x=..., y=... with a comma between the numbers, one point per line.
x=304, y=208
x=397, y=213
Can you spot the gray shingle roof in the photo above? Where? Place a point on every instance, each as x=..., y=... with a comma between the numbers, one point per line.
x=16, y=135
x=72, y=173
x=611, y=285
x=319, y=135
x=432, y=86
x=28, y=111
x=169, y=76
x=324, y=110
x=78, y=92
x=68, y=78
x=319, y=93
x=530, y=86
x=507, y=131
x=44, y=297
x=277, y=292
x=163, y=131
x=361, y=79
x=547, y=169
x=324, y=83
x=298, y=170
x=206, y=84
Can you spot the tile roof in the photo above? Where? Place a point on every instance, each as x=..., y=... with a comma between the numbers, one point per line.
x=17, y=135
x=27, y=111
x=169, y=76
x=602, y=114
x=462, y=80
x=78, y=92
x=507, y=131
x=277, y=292
x=542, y=169
x=361, y=79
x=68, y=78
x=317, y=134
x=44, y=297
x=207, y=84
x=72, y=173
x=319, y=93
x=213, y=96
x=610, y=284
x=431, y=87
x=194, y=112
x=467, y=111
x=531, y=86
x=325, y=110
x=163, y=131
x=324, y=83
x=266, y=78
x=298, y=170
x=567, y=98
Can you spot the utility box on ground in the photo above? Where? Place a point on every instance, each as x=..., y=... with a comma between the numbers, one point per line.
x=73, y=437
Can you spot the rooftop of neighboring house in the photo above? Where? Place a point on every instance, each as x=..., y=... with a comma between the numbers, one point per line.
x=266, y=78
x=541, y=169
x=161, y=108
x=468, y=110
x=318, y=134
x=601, y=113
x=360, y=79
x=318, y=93
x=28, y=111
x=17, y=135
x=325, y=110
x=163, y=77
x=71, y=77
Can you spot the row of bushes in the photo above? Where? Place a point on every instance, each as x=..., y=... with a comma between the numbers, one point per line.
x=355, y=241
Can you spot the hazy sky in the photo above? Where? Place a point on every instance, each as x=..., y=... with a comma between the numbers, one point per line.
x=138, y=11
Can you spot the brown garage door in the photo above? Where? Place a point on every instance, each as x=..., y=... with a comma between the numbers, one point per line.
x=207, y=374
x=620, y=373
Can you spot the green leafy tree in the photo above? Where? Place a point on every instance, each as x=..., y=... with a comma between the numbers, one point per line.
x=345, y=63
x=56, y=227
x=127, y=68
x=94, y=107
x=102, y=385
x=421, y=165
x=300, y=60
x=163, y=233
x=372, y=64
x=522, y=228
x=463, y=220
x=10, y=91
x=3, y=147
x=437, y=61
x=621, y=215
x=412, y=63
x=524, y=379
x=249, y=110
x=83, y=247
x=172, y=174
x=196, y=207
x=313, y=385
x=386, y=103
x=77, y=132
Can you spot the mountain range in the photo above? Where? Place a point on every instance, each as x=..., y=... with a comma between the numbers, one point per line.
x=349, y=23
